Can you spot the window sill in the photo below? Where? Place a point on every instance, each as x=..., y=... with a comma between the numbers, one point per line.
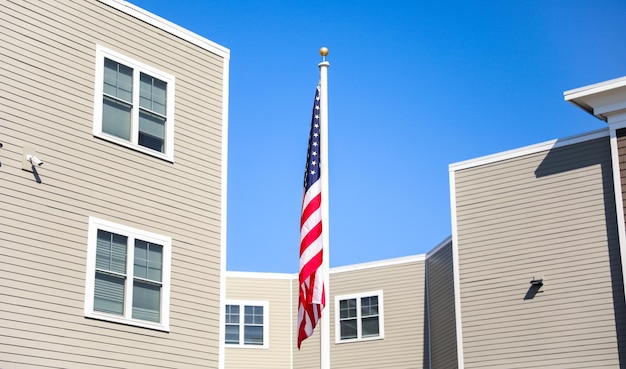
x=144, y=150
x=240, y=346
x=365, y=339
x=132, y=322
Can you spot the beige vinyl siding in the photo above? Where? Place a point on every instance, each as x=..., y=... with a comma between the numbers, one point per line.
x=547, y=215
x=441, y=312
x=403, y=288
x=47, y=100
x=277, y=292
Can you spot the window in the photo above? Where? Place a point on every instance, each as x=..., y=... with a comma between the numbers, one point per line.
x=128, y=273
x=359, y=317
x=246, y=324
x=134, y=104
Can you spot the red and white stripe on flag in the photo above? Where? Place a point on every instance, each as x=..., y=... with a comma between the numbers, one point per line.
x=312, y=297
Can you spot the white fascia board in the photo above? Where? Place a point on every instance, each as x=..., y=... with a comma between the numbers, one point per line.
x=341, y=269
x=600, y=99
x=594, y=88
x=378, y=263
x=168, y=26
x=526, y=150
x=260, y=275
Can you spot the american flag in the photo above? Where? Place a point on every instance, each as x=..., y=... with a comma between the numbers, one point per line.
x=311, y=297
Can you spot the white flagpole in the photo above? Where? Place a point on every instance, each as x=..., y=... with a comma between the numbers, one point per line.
x=325, y=319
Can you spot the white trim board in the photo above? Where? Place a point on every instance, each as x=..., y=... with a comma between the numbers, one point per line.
x=378, y=263
x=168, y=26
x=531, y=149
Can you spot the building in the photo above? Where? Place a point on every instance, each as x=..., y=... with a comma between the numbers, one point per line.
x=113, y=240
x=531, y=277
x=538, y=235
x=379, y=316
x=112, y=237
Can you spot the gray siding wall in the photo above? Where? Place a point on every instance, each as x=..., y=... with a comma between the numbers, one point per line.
x=548, y=215
x=441, y=313
x=46, y=101
x=277, y=292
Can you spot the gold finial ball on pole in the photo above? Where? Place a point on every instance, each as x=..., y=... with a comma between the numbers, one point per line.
x=324, y=51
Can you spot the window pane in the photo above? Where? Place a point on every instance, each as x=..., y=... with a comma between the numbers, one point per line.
x=116, y=118
x=348, y=329
x=152, y=94
x=109, y=293
x=253, y=315
x=369, y=305
x=148, y=260
x=253, y=335
x=146, y=301
x=232, y=333
x=347, y=308
x=151, y=131
x=369, y=326
x=118, y=80
x=232, y=314
x=111, y=252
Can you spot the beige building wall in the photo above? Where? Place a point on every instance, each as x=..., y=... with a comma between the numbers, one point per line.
x=47, y=78
x=402, y=284
x=548, y=213
x=275, y=289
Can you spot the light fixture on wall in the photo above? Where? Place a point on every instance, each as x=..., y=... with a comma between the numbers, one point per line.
x=536, y=282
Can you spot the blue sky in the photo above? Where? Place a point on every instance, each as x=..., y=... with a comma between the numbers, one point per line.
x=413, y=87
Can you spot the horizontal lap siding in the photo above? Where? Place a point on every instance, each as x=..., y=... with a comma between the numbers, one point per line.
x=278, y=293
x=547, y=215
x=46, y=101
x=441, y=312
x=403, y=287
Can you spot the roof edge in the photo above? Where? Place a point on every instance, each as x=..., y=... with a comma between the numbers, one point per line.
x=530, y=149
x=595, y=88
x=170, y=27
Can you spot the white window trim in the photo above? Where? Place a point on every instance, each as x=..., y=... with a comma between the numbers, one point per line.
x=358, y=296
x=94, y=225
x=266, y=324
x=101, y=53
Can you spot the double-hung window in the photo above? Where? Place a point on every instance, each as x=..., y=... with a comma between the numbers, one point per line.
x=246, y=324
x=359, y=317
x=134, y=104
x=128, y=274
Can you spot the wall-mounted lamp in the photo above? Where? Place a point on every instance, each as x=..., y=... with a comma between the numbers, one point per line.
x=536, y=282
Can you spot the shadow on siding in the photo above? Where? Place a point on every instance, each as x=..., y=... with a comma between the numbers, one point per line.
x=589, y=153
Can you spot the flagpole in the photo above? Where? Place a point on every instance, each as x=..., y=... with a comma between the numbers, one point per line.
x=325, y=319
